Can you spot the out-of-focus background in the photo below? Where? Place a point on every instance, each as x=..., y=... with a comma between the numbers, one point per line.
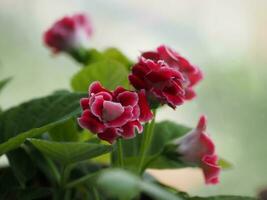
x=227, y=39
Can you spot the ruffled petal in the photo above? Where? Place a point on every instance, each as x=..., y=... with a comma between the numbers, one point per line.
x=137, y=82
x=111, y=110
x=163, y=74
x=189, y=94
x=84, y=102
x=151, y=55
x=88, y=121
x=122, y=119
x=97, y=106
x=128, y=130
x=145, y=111
x=128, y=98
x=96, y=87
x=110, y=135
x=211, y=169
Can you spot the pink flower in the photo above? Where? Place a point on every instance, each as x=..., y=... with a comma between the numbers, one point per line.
x=197, y=148
x=191, y=73
x=69, y=33
x=113, y=114
x=163, y=83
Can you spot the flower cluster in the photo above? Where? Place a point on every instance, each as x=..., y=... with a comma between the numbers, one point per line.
x=113, y=114
x=69, y=33
x=198, y=149
x=166, y=75
x=162, y=77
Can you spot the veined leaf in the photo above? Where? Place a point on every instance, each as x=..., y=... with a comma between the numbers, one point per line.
x=35, y=117
x=70, y=152
x=115, y=54
x=66, y=131
x=109, y=72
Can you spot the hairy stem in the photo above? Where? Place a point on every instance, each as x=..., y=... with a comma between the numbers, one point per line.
x=120, y=153
x=145, y=145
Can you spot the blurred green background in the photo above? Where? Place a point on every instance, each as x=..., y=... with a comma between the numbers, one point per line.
x=227, y=39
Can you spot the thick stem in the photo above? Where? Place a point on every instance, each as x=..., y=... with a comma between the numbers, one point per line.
x=145, y=145
x=120, y=153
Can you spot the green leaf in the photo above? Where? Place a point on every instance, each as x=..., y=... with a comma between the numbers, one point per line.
x=21, y=165
x=70, y=152
x=11, y=183
x=34, y=193
x=110, y=73
x=4, y=82
x=43, y=163
x=124, y=185
x=223, y=197
x=224, y=164
x=93, y=56
x=35, y=117
x=66, y=131
x=115, y=54
x=164, y=132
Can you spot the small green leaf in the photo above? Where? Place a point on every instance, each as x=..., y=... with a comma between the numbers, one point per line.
x=115, y=54
x=124, y=185
x=4, y=82
x=224, y=164
x=110, y=73
x=35, y=117
x=93, y=56
x=70, y=152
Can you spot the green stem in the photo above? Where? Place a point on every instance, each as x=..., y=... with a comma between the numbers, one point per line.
x=95, y=193
x=65, y=175
x=82, y=180
x=120, y=153
x=54, y=170
x=145, y=145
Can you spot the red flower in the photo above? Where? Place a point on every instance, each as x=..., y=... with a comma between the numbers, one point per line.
x=198, y=149
x=113, y=114
x=179, y=88
x=191, y=73
x=159, y=80
x=68, y=33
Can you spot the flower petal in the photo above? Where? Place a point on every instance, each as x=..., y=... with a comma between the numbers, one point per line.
x=145, y=111
x=137, y=82
x=84, y=102
x=122, y=119
x=128, y=130
x=128, y=98
x=88, y=121
x=110, y=135
x=96, y=87
x=211, y=169
x=97, y=106
x=189, y=94
x=111, y=110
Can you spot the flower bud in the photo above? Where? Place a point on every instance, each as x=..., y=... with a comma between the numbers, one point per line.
x=197, y=149
x=70, y=34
